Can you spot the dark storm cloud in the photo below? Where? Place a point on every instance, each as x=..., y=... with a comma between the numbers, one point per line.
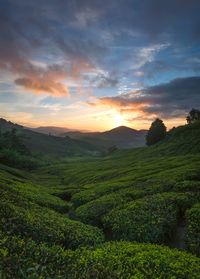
x=173, y=18
x=166, y=100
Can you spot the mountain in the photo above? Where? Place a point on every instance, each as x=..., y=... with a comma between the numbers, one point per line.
x=51, y=130
x=39, y=143
x=122, y=137
x=126, y=137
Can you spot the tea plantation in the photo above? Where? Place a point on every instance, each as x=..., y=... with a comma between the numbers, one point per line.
x=133, y=214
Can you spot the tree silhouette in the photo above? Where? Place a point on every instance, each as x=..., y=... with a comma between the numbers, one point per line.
x=194, y=115
x=156, y=133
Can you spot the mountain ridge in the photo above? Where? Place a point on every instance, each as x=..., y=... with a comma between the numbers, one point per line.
x=122, y=137
x=43, y=144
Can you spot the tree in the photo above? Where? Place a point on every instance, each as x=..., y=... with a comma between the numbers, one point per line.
x=193, y=116
x=156, y=133
x=13, y=141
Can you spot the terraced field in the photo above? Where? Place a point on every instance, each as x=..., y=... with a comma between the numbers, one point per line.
x=135, y=214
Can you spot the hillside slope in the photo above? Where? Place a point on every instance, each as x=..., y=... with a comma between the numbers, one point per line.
x=182, y=140
x=108, y=217
x=44, y=144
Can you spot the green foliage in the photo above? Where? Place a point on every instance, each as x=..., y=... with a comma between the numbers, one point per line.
x=119, y=260
x=194, y=116
x=13, y=140
x=22, y=215
x=150, y=219
x=93, y=211
x=156, y=133
x=13, y=158
x=136, y=195
x=122, y=260
x=193, y=229
x=24, y=259
x=13, y=151
x=45, y=225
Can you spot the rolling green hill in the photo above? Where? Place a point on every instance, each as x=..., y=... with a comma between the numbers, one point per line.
x=133, y=214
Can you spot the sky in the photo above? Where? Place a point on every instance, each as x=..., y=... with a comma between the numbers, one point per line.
x=97, y=64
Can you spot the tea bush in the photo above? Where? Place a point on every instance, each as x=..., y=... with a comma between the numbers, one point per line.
x=150, y=219
x=193, y=229
x=92, y=212
x=24, y=259
x=45, y=225
x=122, y=260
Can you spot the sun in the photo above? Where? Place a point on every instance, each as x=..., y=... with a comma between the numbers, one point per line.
x=118, y=120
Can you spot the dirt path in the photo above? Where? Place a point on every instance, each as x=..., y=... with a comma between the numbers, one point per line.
x=178, y=238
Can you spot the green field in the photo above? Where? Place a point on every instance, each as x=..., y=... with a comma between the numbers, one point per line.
x=133, y=214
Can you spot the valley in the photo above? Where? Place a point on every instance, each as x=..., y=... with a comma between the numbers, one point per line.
x=128, y=206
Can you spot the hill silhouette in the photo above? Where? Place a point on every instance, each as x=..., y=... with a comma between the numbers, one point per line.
x=122, y=137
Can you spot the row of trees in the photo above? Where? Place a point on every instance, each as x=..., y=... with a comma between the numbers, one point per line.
x=158, y=130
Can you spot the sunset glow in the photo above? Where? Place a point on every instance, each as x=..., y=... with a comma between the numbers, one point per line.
x=118, y=120
x=93, y=67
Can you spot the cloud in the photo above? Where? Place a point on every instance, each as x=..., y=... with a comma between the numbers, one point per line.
x=103, y=80
x=43, y=86
x=165, y=100
x=30, y=34
x=72, y=38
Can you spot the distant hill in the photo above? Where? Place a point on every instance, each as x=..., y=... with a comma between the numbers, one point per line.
x=49, y=145
x=51, y=130
x=51, y=140
x=122, y=137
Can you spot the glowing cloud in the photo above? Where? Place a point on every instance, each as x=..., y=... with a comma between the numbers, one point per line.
x=43, y=86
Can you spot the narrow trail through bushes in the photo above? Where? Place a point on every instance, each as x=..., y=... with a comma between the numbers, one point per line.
x=178, y=236
x=66, y=196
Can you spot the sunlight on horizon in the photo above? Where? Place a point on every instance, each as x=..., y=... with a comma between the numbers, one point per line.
x=118, y=120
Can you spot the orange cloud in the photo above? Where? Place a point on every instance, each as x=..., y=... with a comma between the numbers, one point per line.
x=121, y=103
x=49, y=79
x=41, y=78
x=43, y=86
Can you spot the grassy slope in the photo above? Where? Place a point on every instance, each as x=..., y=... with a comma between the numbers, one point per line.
x=136, y=195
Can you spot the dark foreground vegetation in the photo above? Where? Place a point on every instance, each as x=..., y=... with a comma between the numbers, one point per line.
x=105, y=217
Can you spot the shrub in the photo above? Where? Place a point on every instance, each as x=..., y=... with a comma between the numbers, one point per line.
x=24, y=259
x=45, y=225
x=193, y=229
x=122, y=260
x=92, y=211
x=150, y=219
